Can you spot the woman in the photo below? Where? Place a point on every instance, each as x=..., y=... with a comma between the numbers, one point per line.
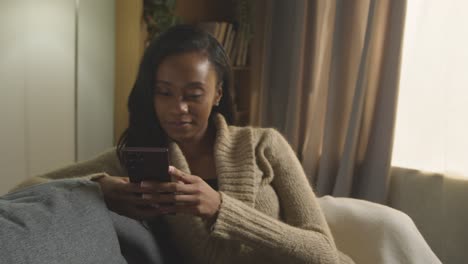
x=239, y=193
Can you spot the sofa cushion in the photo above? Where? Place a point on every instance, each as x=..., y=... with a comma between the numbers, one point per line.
x=65, y=221
x=137, y=242
x=373, y=233
x=437, y=204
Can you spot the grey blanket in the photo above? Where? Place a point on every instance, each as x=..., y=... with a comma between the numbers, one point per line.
x=67, y=221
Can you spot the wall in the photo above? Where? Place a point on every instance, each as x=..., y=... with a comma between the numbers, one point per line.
x=130, y=36
x=37, y=85
x=96, y=60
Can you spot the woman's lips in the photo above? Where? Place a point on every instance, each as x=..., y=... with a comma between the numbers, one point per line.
x=179, y=124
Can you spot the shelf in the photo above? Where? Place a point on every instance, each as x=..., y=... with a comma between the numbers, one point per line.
x=241, y=117
x=241, y=68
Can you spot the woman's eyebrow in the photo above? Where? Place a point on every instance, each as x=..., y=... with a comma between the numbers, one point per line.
x=199, y=85
x=195, y=84
x=163, y=82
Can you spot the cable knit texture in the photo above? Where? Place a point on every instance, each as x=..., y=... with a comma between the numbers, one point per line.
x=269, y=213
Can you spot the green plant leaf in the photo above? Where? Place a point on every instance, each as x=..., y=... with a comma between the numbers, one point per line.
x=171, y=4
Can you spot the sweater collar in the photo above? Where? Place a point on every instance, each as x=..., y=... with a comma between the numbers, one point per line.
x=234, y=160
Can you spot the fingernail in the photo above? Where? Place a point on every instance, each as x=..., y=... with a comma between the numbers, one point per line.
x=144, y=184
x=171, y=169
x=146, y=196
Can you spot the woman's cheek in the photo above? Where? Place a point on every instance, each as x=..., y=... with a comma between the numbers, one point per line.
x=159, y=107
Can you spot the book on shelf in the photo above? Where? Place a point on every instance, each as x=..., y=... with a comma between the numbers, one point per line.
x=245, y=48
x=210, y=27
x=230, y=41
x=227, y=35
x=222, y=32
x=217, y=29
x=232, y=37
x=239, y=45
x=242, y=51
x=235, y=47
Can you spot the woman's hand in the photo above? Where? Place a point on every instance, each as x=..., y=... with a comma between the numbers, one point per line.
x=124, y=198
x=189, y=195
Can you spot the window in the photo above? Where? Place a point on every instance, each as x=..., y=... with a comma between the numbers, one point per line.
x=432, y=117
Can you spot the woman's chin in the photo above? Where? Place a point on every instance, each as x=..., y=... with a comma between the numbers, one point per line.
x=180, y=136
x=186, y=133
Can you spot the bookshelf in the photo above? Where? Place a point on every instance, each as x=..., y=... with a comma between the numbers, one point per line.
x=247, y=75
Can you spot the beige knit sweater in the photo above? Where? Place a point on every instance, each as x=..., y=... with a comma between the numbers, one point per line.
x=269, y=213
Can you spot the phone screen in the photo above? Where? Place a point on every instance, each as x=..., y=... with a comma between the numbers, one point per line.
x=147, y=164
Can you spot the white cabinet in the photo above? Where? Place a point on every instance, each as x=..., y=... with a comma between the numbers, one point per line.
x=50, y=113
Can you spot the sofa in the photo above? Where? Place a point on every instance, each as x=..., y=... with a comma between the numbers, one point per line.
x=67, y=221
x=438, y=205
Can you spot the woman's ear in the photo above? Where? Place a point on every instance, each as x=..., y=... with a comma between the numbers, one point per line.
x=219, y=93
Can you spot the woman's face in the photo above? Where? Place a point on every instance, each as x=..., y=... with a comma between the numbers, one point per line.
x=186, y=89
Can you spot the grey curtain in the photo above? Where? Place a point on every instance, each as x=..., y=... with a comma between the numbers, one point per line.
x=329, y=82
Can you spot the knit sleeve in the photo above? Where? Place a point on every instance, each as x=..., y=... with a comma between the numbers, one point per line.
x=105, y=163
x=302, y=236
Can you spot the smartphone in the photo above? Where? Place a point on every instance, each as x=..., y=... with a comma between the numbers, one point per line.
x=147, y=164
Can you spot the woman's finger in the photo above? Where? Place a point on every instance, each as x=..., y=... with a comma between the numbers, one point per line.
x=131, y=199
x=171, y=198
x=163, y=187
x=182, y=176
x=154, y=186
x=131, y=187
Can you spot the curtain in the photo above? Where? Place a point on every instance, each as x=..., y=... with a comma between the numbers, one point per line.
x=330, y=74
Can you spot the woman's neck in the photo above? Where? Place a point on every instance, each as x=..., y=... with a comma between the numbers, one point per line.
x=200, y=146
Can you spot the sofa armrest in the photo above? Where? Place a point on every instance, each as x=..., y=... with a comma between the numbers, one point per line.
x=438, y=205
x=65, y=221
x=373, y=233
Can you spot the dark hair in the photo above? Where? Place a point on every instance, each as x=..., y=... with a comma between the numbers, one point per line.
x=144, y=129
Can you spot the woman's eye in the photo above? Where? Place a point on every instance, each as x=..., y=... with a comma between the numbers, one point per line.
x=163, y=93
x=194, y=96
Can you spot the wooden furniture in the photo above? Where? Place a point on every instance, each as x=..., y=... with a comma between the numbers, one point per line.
x=131, y=32
x=130, y=35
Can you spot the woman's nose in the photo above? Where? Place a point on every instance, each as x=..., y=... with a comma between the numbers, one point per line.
x=180, y=106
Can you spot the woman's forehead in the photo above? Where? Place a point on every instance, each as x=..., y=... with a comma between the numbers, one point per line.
x=193, y=62
x=186, y=67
